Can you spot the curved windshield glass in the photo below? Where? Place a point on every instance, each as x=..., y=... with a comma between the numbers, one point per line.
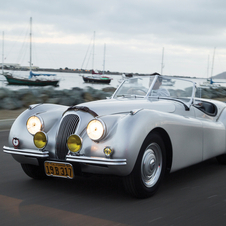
x=160, y=87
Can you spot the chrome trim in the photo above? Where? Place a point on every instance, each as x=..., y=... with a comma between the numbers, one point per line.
x=41, y=121
x=98, y=161
x=104, y=129
x=151, y=86
x=26, y=152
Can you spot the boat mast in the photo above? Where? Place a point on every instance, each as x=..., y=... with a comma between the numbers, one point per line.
x=162, y=64
x=2, y=52
x=208, y=61
x=212, y=63
x=93, y=49
x=30, y=43
x=104, y=59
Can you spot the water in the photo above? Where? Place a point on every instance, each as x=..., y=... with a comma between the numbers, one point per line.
x=71, y=80
x=67, y=81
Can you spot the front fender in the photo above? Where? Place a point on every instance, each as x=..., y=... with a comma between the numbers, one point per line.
x=49, y=113
x=126, y=136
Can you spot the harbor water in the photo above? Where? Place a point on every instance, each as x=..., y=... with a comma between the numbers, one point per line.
x=72, y=80
x=67, y=80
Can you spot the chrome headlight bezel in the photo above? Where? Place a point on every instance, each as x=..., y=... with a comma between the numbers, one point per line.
x=37, y=122
x=92, y=126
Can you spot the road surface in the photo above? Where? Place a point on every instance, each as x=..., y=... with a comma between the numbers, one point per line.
x=192, y=196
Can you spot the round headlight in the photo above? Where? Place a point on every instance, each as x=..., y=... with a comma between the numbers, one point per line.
x=95, y=129
x=74, y=143
x=34, y=125
x=40, y=140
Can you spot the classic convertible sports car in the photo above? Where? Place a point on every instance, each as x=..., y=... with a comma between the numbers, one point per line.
x=142, y=132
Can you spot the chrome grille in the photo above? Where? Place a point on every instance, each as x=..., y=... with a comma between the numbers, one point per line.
x=67, y=127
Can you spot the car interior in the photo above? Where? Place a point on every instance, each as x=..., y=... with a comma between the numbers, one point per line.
x=206, y=107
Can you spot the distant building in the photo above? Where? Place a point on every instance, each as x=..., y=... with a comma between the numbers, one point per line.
x=18, y=66
x=28, y=67
x=10, y=65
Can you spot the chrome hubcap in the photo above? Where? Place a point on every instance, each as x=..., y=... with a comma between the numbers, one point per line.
x=151, y=165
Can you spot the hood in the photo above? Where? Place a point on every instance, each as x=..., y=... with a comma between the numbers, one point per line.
x=113, y=106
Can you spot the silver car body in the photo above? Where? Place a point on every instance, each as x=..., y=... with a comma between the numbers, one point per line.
x=191, y=132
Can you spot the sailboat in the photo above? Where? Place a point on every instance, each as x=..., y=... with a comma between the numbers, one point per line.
x=3, y=73
x=97, y=77
x=209, y=83
x=31, y=80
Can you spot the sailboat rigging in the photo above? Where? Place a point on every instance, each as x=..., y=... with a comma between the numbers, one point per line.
x=3, y=73
x=162, y=64
x=104, y=59
x=97, y=77
x=2, y=52
x=210, y=82
x=31, y=80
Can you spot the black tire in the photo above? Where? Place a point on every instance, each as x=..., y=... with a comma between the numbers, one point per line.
x=149, y=169
x=221, y=159
x=35, y=172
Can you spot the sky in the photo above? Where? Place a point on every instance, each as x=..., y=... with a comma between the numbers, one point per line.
x=172, y=37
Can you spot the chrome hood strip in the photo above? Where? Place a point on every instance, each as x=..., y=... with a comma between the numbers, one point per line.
x=100, y=161
x=26, y=152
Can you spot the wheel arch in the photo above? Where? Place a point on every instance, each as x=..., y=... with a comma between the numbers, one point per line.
x=168, y=145
x=134, y=183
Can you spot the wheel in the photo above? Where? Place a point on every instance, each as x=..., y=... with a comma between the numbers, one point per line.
x=35, y=172
x=149, y=169
x=221, y=159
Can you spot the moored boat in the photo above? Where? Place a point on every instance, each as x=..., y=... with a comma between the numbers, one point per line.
x=97, y=79
x=31, y=80
x=13, y=80
x=97, y=76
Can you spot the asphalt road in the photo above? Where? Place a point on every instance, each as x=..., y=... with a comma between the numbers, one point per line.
x=192, y=196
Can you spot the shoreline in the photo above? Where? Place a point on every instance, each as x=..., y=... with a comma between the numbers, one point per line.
x=89, y=71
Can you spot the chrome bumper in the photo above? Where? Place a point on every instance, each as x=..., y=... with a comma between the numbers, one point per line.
x=69, y=158
x=26, y=152
x=96, y=160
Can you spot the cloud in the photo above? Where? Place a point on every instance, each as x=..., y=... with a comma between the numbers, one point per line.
x=135, y=32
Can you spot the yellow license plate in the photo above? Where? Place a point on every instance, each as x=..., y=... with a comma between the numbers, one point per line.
x=59, y=169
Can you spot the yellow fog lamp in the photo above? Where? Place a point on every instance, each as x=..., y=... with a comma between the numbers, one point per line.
x=108, y=152
x=40, y=140
x=74, y=143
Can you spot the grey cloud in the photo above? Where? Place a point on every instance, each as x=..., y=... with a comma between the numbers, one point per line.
x=142, y=27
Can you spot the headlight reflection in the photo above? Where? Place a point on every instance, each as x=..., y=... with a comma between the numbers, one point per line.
x=34, y=125
x=96, y=130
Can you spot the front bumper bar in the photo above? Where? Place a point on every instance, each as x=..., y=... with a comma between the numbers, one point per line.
x=69, y=158
x=96, y=160
x=26, y=152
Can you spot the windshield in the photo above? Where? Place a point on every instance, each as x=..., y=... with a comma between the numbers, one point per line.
x=160, y=87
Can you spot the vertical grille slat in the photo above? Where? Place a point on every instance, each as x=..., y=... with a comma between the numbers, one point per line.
x=67, y=127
